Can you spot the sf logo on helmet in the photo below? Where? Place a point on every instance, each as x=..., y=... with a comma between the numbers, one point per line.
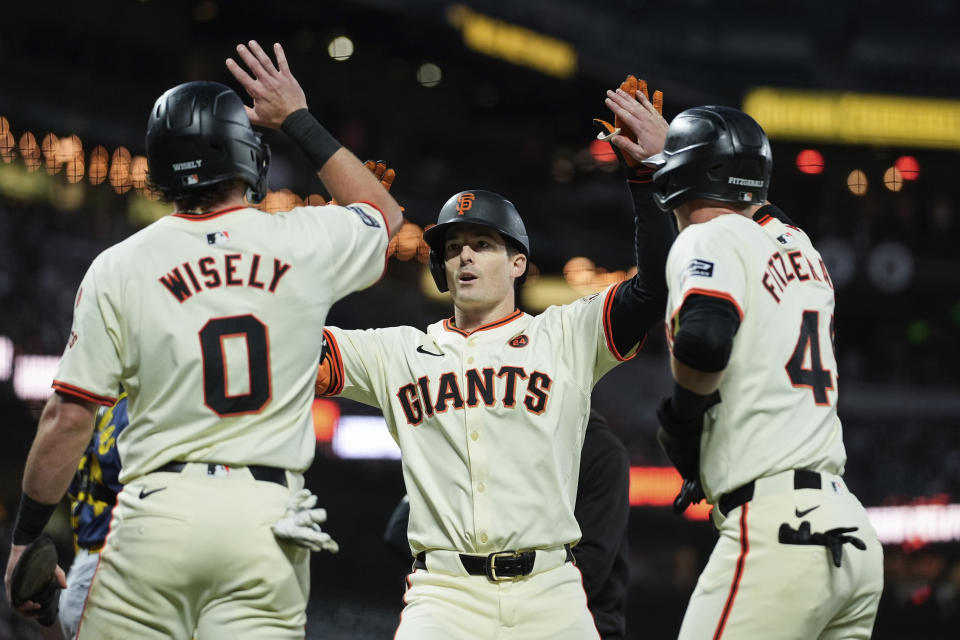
x=464, y=202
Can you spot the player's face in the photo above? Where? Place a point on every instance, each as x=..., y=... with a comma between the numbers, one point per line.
x=480, y=271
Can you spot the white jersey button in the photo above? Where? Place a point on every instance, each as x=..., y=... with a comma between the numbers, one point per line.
x=470, y=360
x=481, y=487
x=483, y=538
x=474, y=436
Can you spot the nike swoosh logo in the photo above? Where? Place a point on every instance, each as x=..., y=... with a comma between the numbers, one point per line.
x=800, y=514
x=420, y=349
x=144, y=494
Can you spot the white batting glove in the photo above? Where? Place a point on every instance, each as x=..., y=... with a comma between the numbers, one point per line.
x=301, y=524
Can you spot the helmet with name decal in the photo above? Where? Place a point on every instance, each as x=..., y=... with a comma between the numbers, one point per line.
x=475, y=206
x=715, y=153
x=198, y=134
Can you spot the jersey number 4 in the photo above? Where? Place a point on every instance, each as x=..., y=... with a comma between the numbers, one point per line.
x=818, y=379
x=216, y=393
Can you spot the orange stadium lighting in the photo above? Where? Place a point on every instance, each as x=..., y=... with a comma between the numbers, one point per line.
x=138, y=173
x=30, y=151
x=326, y=415
x=893, y=179
x=810, y=161
x=51, y=147
x=8, y=144
x=120, y=170
x=908, y=166
x=857, y=182
x=602, y=152
x=658, y=487
x=98, y=165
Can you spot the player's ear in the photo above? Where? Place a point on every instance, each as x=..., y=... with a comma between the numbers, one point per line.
x=518, y=264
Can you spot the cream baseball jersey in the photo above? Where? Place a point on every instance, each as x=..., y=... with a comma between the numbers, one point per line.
x=490, y=423
x=210, y=324
x=778, y=408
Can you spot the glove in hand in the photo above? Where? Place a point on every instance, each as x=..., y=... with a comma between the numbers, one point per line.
x=301, y=524
x=634, y=168
x=383, y=174
x=377, y=167
x=34, y=579
x=690, y=493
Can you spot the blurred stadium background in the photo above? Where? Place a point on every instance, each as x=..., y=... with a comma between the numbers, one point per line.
x=861, y=100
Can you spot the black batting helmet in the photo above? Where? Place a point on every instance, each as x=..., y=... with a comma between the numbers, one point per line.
x=475, y=206
x=715, y=153
x=199, y=134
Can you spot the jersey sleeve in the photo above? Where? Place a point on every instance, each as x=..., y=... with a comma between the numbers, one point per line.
x=588, y=338
x=706, y=260
x=353, y=365
x=353, y=252
x=90, y=367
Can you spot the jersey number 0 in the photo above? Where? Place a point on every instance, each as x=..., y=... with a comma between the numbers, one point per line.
x=215, y=392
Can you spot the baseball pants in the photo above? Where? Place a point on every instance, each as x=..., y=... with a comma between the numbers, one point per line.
x=755, y=586
x=74, y=596
x=449, y=604
x=191, y=554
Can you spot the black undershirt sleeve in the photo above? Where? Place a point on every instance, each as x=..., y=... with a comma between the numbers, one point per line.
x=641, y=301
x=705, y=335
x=775, y=211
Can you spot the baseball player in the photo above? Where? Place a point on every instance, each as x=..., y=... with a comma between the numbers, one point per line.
x=752, y=422
x=489, y=408
x=208, y=319
x=602, y=511
x=92, y=493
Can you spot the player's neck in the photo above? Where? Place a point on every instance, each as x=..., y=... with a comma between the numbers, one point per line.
x=472, y=319
x=235, y=199
x=700, y=211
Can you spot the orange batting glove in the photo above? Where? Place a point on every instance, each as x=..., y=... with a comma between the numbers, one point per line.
x=634, y=168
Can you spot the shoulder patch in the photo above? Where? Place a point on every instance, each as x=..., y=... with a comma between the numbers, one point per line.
x=368, y=220
x=590, y=298
x=519, y=341
x=699, y=267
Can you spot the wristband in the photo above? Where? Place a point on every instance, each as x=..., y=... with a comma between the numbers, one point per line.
x=315, y=141
x=32, y=517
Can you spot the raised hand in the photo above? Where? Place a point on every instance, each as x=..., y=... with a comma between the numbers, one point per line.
x=638, y=128
x=275, y=92
x=644, y=128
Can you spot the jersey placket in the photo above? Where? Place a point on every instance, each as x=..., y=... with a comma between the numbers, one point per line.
x=476, y=447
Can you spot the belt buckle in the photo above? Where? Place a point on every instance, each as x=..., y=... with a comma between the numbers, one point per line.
x=492, y=564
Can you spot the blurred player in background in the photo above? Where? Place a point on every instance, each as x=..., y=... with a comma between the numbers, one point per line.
x=209, y=319
x=752, y=423
x=490, y=407
x=92, y=494
x=602, y=510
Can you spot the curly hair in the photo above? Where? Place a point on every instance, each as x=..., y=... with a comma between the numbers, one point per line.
x=199, y=199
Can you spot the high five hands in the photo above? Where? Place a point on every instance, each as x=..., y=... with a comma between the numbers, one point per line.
x=639, y=128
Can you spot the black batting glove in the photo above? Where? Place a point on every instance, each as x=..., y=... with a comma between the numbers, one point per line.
x=691, y=492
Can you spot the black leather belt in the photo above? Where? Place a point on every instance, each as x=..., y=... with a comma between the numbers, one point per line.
x=497, y=566
x=259, y=472
x=802, y=479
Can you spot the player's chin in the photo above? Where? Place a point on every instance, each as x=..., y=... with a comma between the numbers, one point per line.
x=466, y=288
x=467, y=297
